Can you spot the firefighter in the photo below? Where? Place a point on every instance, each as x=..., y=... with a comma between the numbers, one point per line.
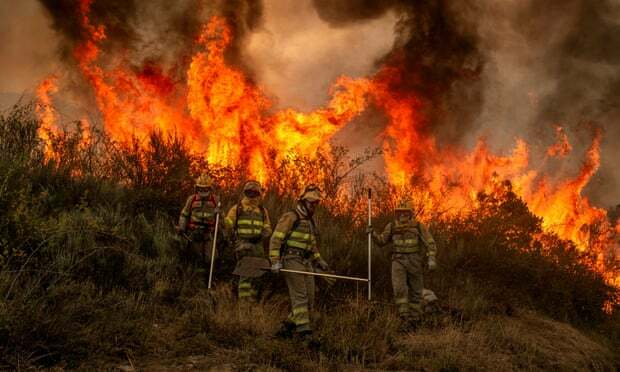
x=293, y=246
x=248, y=225
x=197, y=223
x=408, y=237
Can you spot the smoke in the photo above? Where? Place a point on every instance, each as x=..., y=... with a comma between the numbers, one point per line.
x=28, y=49
x=437, y=45
x=553, y=63
x=297, y=56
x=153, y=31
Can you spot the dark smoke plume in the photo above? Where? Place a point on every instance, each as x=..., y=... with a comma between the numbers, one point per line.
x=117, y=15
x=154, y=30
x=438, y=49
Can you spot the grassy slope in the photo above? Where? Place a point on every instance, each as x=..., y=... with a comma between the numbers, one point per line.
x=91, y=277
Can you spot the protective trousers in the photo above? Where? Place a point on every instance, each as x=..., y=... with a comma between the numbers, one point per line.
x=301, y=291
x=407, y=282
x=199, y=250
x=247, y=286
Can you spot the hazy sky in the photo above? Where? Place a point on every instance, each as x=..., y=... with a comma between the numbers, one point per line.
x=296, y=55
x=28, y=46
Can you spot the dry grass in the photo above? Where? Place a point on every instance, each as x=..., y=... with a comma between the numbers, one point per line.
x=215, y=333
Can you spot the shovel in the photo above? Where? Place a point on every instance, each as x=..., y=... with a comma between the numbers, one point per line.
x=253, y=267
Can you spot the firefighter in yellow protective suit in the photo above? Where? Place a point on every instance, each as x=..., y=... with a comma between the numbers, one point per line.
x=412, y=245
x=197, y=223
x=247, y=223
x=293, y=246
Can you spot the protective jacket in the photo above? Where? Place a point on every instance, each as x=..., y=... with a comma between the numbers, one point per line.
x=248, y=221
x=199, y=212
x=294, y=233
x=410, y=237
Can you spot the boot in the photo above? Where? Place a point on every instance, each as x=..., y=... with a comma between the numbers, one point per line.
x=306, y=337
x=414, y=323
x=408, y=323
x=286, y=329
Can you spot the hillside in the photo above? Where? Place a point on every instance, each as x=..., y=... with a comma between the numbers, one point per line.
x=92, y=276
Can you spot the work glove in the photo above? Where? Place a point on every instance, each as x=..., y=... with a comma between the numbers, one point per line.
x=432, y=264
x=322, y=264
x=370, y=230
x=275, y=267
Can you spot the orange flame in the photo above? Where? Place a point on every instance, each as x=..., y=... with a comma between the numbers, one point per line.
x=47, y=114
x=561, y=148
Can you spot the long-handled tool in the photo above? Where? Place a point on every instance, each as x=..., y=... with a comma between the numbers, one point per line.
x=369, y=244
x=253, y=267
x=217, y=225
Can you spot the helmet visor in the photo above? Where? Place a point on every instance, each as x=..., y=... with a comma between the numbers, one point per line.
x=404, y=214
x=204, y=189
x=251, y=193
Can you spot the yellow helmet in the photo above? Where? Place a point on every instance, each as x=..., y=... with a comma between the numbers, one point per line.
x=252, y=186
x=204, y=180
x=404, y=206
x=311, y=193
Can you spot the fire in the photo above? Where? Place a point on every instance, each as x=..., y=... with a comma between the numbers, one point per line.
x=565, y=211
x=220, y=112
x=562, y=148
x=47, y=114
x=227, y=118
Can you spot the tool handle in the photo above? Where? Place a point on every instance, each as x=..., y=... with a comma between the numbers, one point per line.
x=217, y=223
x=320, y=274
x=369, y=244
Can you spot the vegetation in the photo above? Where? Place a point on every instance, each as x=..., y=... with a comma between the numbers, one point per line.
x=92, y=275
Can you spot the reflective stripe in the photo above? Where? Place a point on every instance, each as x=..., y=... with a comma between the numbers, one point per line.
x=249, y=231
x=300, y=316
x=279, y=235
x=245, y=285
x=406, y=250
x=296, y=234
x=300, y=310
x=400, y=301
x=250, y=222
x=292, y=243
x=274, y=253
x=406, y=241
x=203, y=214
